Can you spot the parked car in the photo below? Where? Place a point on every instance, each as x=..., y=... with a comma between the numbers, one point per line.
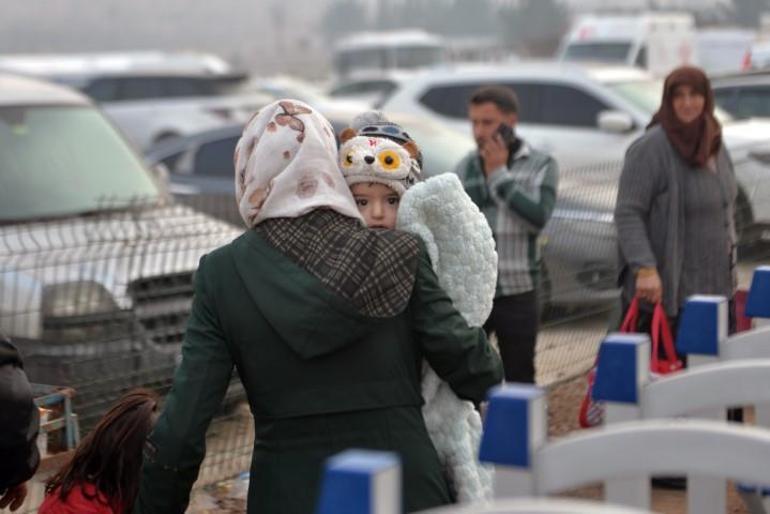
x=96, y=262
x=743, y=95
x=586, y=115
x=150, y=97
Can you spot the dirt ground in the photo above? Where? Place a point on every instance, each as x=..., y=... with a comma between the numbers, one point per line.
x=563, y=404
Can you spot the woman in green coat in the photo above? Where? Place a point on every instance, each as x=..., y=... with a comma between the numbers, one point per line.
x=327, y=323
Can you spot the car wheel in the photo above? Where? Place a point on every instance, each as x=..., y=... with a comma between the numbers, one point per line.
x=165, y=136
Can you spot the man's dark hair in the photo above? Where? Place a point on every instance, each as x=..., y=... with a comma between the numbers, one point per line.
x=502, y=96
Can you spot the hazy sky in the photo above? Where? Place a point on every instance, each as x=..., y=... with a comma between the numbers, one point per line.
x=259, y=36
x=264, y=34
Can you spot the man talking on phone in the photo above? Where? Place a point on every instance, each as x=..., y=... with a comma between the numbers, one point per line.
x=514, y=185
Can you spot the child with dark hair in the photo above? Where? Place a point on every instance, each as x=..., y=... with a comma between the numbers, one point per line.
x=103, y=475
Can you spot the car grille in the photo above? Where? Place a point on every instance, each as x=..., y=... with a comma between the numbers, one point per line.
x=162, y=305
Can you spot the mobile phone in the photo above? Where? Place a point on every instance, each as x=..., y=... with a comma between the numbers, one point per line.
x=506, y=133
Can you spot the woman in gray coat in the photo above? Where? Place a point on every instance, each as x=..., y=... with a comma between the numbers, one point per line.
x=676, y=199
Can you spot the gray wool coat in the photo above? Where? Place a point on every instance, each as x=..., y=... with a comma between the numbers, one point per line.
x=650, y=215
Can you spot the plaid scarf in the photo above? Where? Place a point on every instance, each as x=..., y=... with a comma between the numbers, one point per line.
x=374, y=270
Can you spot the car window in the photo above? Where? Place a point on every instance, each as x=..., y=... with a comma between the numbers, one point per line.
x=368, y=86
x=615, y=52
x=752, y=102
x=63, y=161
x=530, y=96
x=102, y=90
x=140, y=88
x=641, y=58
x=726, y=98
x=568, y=106
x=449, y=101
x=176, y=87
x=172, y=161
x=452, y=101
x=215, y=158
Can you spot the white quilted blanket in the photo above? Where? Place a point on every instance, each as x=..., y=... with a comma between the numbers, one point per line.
x=462, y=251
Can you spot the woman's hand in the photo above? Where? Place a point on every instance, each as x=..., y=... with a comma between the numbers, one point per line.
x=648, y=285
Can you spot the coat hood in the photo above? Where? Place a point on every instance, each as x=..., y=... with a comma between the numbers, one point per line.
x=310, y=317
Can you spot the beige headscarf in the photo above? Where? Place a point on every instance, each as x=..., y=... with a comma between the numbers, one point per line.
x=286, y=165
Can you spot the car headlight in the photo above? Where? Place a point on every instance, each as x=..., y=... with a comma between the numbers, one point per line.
x=76, y=299
x=81, y=311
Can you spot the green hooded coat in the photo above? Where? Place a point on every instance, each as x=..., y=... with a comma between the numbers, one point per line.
x=320, y=378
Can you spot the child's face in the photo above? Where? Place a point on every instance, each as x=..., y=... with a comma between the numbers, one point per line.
x=377, y=203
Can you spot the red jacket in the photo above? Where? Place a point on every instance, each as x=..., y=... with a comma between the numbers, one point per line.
x=80, y=500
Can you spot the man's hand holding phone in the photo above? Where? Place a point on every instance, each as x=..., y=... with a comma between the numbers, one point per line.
x=496, y=149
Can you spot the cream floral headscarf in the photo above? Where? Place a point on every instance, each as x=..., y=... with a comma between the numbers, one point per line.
x=286, y=165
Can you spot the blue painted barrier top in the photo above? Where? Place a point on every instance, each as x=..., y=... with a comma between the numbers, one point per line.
x=617, y=371
x=350, y=485
x=507, y=437
x=758, y=302
x=702, y=325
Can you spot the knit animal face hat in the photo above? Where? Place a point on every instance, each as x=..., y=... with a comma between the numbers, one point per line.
x=286, y=165
x=381, y=153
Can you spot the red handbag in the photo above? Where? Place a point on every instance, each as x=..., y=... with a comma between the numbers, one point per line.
x=591, y=412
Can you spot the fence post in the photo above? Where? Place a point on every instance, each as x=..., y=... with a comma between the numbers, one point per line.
x=758, y=301
x=515, y=427
x=623, y=369
x=361, y=482
x=702, y=329
x=702, y=333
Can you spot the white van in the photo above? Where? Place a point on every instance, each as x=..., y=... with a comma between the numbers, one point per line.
x=724, y=50
x=382, y=51
x=657, y=42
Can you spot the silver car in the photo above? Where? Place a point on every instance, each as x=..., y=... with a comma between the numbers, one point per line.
x=96, y=263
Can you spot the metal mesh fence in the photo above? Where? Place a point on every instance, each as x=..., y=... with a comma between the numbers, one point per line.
x=99, y=302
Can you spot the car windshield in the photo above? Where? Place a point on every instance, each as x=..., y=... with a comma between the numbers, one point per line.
x=441, y=147
x=599, y=52
x=65, y=160
x=646, y=94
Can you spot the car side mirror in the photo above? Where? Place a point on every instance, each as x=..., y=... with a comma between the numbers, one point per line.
x=614, y=122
